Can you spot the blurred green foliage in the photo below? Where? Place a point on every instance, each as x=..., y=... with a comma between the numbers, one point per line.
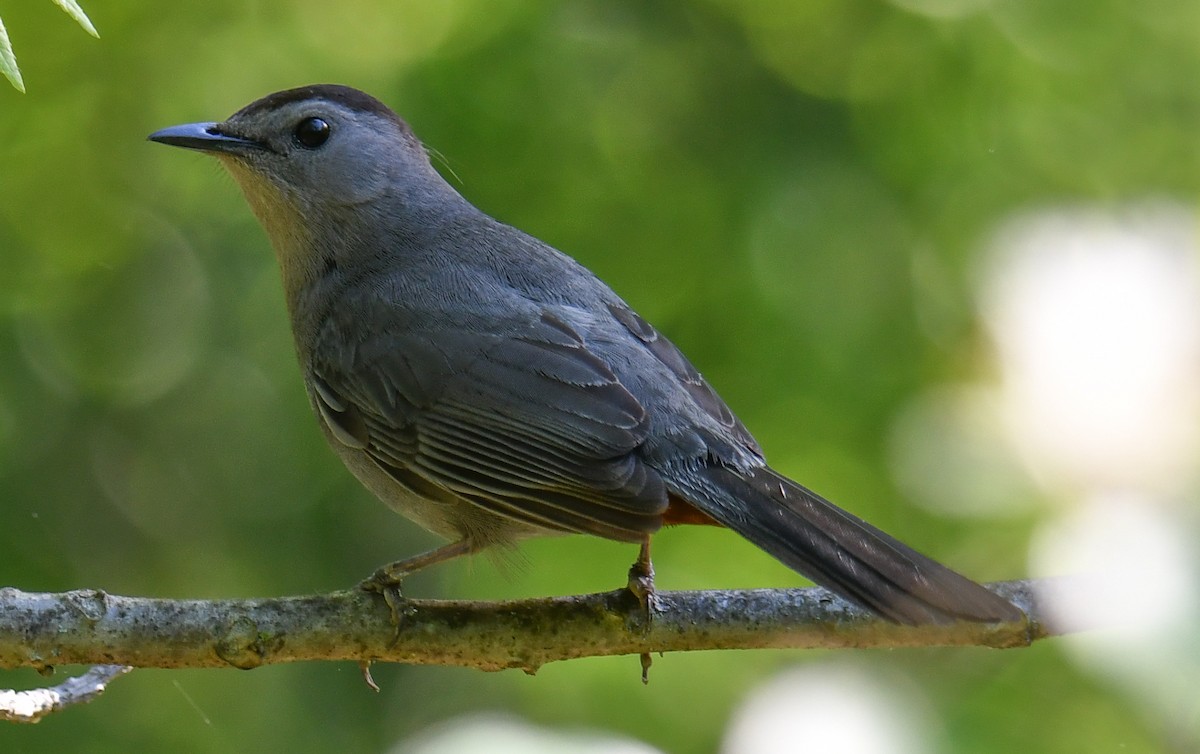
x=8, y=61
x=793, y=192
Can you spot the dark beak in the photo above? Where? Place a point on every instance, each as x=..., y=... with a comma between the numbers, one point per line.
x=206, y=137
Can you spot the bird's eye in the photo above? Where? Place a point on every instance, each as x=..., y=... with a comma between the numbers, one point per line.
x=311, y=133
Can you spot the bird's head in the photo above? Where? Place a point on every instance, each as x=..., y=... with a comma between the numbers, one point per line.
x=319, y=165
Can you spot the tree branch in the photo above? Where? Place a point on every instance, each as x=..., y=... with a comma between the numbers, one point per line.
x=31, y=706
x=91, y=627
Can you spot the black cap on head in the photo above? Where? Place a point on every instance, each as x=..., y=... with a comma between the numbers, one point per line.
x=345, y=96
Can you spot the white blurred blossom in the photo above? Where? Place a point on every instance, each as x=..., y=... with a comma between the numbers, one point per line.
x=501, y=734
x=833, y=709
x=1096, y=322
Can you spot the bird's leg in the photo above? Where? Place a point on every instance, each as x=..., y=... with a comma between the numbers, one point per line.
x=386, y=580
x=641, y=584
x=392, y=574
x=641, y=576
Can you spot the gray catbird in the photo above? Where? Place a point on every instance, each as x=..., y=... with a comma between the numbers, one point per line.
x=490, y=388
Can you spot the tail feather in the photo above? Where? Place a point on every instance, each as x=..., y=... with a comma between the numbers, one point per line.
x=838, y=550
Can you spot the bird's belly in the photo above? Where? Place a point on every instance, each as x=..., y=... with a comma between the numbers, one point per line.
x=447, y=516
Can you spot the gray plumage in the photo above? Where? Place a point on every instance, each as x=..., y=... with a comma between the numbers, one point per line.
x=491, y=388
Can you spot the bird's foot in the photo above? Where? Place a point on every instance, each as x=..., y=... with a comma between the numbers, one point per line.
x=641, y=585
x=386, y=583
x=386, y=580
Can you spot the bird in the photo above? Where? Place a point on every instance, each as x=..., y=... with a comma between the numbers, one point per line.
x=491, y=388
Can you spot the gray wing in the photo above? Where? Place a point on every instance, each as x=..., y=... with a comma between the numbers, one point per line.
x=705, y=429
x=528, y=424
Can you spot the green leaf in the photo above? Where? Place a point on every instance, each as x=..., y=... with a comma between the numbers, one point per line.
x=74, y=11
x=8, y=61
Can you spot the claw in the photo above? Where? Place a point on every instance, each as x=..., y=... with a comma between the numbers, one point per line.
x=365, y=667
x=387, y=585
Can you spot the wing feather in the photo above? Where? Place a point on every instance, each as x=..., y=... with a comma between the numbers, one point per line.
x=529, y=425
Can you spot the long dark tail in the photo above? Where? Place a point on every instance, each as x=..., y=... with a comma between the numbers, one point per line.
x=837, y=550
